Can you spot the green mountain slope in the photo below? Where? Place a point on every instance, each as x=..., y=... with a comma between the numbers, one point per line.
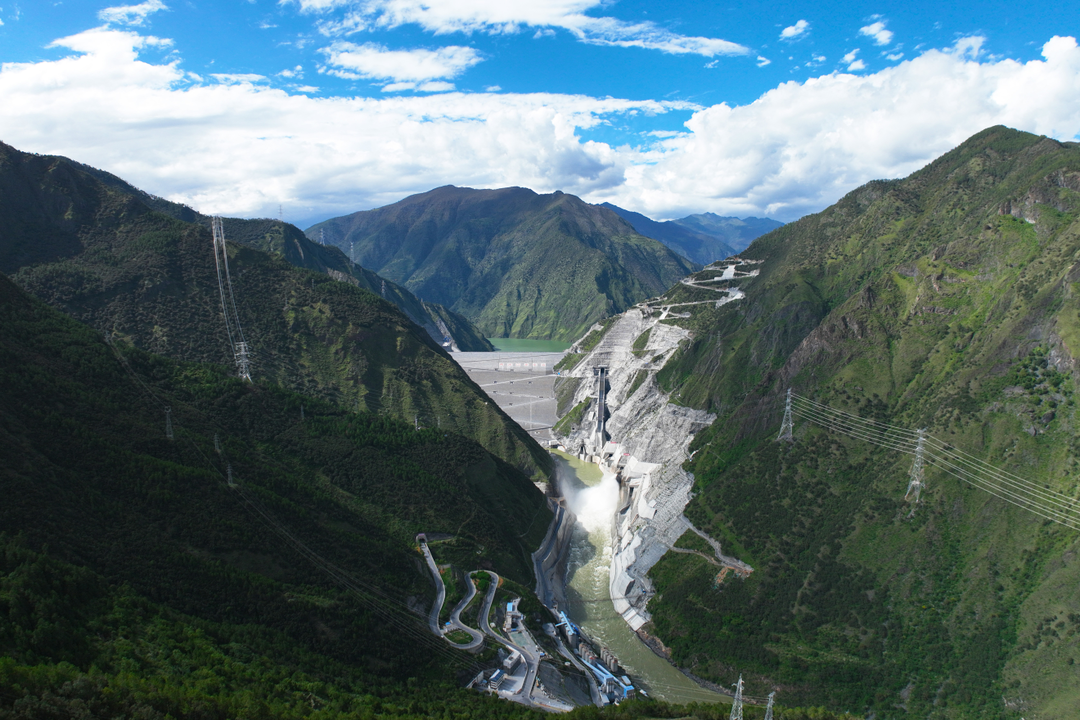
x=288, y=241
x=515, y=263
x=168, y=589
x=947, y=301
x=95, y=250
x=22, y=173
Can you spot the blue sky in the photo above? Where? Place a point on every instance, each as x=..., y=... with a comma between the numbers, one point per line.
x=322, y=107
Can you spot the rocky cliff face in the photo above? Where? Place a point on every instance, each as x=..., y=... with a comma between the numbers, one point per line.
x=643, y=434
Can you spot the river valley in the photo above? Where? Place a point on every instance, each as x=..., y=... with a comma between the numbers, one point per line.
x=592, y=496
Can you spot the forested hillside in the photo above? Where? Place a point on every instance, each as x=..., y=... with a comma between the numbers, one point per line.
x=85, y=243
x=947, y=301
x=516, y=263
x=257, y=562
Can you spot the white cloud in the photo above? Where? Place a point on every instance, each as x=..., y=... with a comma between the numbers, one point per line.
x=400, y=66
x=238, y=78
x=895, y=56
x=802, y=146
x=793, y=31
x=878, y=32
x=131, y=14
x=499, y=16
x=763, y=61
x=296, y=72
x=429, y=86
x=856, y=66
x=851, y=56
x=242, y=148
x=492, y=89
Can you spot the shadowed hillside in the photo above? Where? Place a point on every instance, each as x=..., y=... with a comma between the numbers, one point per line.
x=85, y=243
x=258, y=562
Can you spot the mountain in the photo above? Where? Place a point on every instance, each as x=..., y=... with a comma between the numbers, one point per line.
x=89, y=245
x=179, y=543
x=516, y=263
x=935, y=317
x=700, y=247
x=736, y=232
x=287, y=240
x=703, y=238
x=447, y=327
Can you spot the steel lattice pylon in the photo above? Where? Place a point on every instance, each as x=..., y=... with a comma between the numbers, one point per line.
x=788, y=425
x=736, y=707
x=916, y=484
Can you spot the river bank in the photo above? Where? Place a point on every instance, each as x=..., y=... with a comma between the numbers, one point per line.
x=592, y=496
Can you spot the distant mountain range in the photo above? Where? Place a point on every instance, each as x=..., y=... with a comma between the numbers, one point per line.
x=704, y=237
x=515, y=263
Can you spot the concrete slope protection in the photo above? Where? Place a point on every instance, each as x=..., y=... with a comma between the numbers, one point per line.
x=636, y=432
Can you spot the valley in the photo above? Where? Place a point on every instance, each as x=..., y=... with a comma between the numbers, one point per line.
x=835, y=470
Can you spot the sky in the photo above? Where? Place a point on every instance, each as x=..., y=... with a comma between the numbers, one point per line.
x=309, y=109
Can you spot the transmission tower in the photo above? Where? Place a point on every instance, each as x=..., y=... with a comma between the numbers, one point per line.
x=168, y=423
x=916, y=484
x=736, y=707
x=217, y=444
x=768, y=708
x=243, y=362
x=228, y=470
x=240, y=349
x=788, y=425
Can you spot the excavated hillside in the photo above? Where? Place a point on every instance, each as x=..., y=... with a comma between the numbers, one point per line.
x=948, y=302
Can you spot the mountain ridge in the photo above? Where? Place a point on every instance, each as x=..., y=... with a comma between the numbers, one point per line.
x=703, y=237
x=102, y=254
x=517, y=263
x=947, y=300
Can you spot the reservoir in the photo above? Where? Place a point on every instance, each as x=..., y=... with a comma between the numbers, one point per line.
x=592, y=497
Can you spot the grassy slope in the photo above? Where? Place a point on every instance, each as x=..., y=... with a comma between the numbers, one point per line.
x=516, y=263
x=924, y=303
x=98, y=252
x=187, y=600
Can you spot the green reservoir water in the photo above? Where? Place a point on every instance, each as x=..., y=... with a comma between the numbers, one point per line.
x=592, y=497
x=516, y=345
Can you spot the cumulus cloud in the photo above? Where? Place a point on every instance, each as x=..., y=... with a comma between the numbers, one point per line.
x=856, y=66
x=877, y=32
x=794, y=31
x=131, y=14
x=241, y=148
x=403, y=67
x=801, y=146
x=762, y=61
x=499, y=16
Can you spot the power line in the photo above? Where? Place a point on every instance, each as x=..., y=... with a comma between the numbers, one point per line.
x=927, y=449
